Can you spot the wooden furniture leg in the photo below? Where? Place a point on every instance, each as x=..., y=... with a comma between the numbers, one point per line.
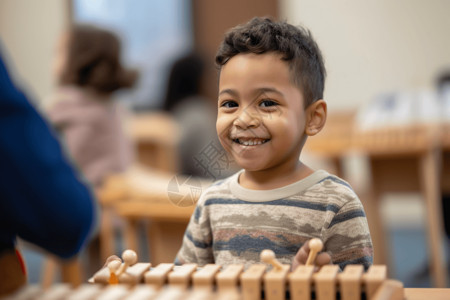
x=107, y=244
x=49, y=269
x=371, y=200
x=131, y=233
x=432, y=195
x=164, y=240
x=71, y=271
x=371, y=203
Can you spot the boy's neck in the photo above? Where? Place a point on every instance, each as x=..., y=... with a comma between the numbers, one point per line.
x=274, y=178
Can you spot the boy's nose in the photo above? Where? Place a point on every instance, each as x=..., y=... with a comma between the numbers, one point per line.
x=247, y=119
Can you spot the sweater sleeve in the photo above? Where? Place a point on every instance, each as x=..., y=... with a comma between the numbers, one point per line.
x=42, y=199
x=347, y=236
x=197, y=240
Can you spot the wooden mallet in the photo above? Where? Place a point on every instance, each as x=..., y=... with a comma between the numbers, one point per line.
x=129, y=258
x=268, y=256
x=315, y=246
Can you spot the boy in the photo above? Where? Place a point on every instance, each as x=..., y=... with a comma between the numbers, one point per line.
x=270, y=99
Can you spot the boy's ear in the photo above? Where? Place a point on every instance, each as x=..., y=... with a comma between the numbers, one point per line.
x=316, y=116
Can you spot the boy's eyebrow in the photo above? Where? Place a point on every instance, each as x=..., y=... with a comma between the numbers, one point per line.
x=269, y=90
x=229, y=91
x=259, y=91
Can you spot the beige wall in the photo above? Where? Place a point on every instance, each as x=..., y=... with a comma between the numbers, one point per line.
x=28, y=31
x=375, y=46
x=369, y=46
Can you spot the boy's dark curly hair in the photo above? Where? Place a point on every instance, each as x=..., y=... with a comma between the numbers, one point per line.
x=296, y=44
x=93, y=60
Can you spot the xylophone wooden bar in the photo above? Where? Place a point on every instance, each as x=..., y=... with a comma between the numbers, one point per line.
x=142, y=292
x=275, y=283
x=251, y=282
x=84, y=292
x=205, y=277
x=228, y=279
x=114, y=292
x=373, y=279
x=182, y=276
x=350, y=282
x=57, y=292
x=159, y=275
x=325, y=282
x=300, y=283
x=135, y=273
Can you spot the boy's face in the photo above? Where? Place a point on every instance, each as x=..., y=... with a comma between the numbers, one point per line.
x=261, y=119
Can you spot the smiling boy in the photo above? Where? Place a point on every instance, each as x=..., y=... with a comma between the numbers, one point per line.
x=270, y=100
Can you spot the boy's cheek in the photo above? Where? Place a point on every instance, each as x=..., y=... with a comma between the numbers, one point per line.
x=224, y=141
x=222, y=127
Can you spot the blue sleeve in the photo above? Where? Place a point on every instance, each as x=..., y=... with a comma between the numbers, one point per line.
x=41, y=198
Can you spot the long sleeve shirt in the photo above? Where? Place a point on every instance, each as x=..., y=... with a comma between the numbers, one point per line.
x=232, y=225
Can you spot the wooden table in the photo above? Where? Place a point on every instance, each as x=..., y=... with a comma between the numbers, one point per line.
x=427, y=294
x=401, y=160
x=143, y=194
x=155, y=135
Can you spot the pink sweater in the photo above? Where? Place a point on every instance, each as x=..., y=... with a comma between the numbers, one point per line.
x=91, y=129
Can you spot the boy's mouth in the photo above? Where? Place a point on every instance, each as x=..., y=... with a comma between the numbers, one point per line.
x=250, y=141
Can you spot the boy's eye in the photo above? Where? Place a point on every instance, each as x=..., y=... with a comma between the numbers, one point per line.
x=267, y=103
x=229, y=104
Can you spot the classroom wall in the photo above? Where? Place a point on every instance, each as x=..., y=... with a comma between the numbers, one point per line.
x=369, y=46
x=375, y=46
x=28, y=32
x=211, y=19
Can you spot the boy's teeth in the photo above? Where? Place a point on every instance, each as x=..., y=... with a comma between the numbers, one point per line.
x=250, y=142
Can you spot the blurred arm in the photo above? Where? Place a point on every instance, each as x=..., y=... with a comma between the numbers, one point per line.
x=41, y=198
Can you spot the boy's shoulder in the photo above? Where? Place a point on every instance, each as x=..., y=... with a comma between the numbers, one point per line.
x=333, y=180
x=339, y=192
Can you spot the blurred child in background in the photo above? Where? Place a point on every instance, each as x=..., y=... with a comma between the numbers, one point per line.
x=88, y=71
x=195, y=115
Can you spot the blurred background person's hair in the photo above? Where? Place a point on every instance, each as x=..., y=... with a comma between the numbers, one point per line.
x=195, y=114
x=90, y=57
x=88, y=70
x=184, y=80
x=443, y=89
x=443, y=81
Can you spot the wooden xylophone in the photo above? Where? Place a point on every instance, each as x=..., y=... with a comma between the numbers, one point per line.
x=169, y=282
x=127, y=279
x=257, y=282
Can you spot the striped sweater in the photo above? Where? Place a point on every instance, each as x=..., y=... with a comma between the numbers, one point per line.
x=232, y=224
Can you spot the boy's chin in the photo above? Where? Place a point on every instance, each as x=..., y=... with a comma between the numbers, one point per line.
x=251, y=166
